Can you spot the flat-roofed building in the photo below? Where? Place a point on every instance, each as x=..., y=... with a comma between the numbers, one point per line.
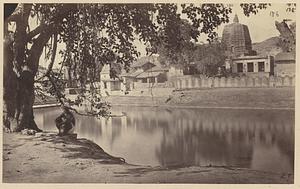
x=252, y=65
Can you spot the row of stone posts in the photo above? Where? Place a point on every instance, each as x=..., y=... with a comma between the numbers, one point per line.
x=194, y=82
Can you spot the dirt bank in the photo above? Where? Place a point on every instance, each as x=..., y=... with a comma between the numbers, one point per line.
x=53, y=159
x=251, y=98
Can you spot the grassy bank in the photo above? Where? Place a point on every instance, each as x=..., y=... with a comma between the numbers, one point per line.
x=53, y=159
x=262, y=98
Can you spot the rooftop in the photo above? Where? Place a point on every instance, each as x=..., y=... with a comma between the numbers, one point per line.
x=133, y=73
x=144, y=60
x=157, y=68
x=249, y=57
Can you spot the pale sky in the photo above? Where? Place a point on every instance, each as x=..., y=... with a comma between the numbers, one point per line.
x=261, y=26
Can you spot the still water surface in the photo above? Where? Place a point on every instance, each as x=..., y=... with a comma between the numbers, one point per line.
x=256, y=139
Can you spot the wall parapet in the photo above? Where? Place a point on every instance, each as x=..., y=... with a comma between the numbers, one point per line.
x=232, y=82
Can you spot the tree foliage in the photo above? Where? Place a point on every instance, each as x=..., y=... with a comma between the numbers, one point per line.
x=209, y=58
x=97, y=34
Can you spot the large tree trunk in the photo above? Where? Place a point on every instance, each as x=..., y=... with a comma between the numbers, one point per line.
x=9, y=84
x=20, y=68
x=25, y=100
x=19, y=72
x=18, y=93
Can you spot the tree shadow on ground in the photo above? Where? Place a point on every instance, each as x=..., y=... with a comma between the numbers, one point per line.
x=73, y=148
x=80, y=148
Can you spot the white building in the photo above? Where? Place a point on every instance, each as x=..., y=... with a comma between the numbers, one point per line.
x=110, y=86
x=251, y=65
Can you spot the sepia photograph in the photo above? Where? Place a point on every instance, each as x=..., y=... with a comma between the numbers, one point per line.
x=148, y=93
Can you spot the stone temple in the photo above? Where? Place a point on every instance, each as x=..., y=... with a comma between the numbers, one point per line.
x=241, y=59
x=237, y=40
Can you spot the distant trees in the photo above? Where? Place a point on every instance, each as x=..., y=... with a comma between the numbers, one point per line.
x=185, y=46
x=198, y=58
x=209, y=58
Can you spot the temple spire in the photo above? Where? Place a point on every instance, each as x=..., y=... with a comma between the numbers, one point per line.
x=236, y=19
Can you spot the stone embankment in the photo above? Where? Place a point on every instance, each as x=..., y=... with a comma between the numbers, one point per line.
x=244, y=98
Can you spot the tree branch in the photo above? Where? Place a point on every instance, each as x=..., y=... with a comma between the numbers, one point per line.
x=35, y=32
x=52, y=58
x=57, y=92
x=45, y=34
x=56, y=18
x=53, y=53
x=83, y=114
x=37, y=49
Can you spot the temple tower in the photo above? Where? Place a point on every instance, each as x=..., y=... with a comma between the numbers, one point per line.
x=237, y=40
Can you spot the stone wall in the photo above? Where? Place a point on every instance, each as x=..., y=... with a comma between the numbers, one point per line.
x=189, y=82
x=285, y=70
x=157, y=92
x=139, y=85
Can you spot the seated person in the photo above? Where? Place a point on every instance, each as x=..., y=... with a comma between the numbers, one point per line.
x=65, y=122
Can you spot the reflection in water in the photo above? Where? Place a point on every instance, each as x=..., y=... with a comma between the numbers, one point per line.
x=257, y=139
